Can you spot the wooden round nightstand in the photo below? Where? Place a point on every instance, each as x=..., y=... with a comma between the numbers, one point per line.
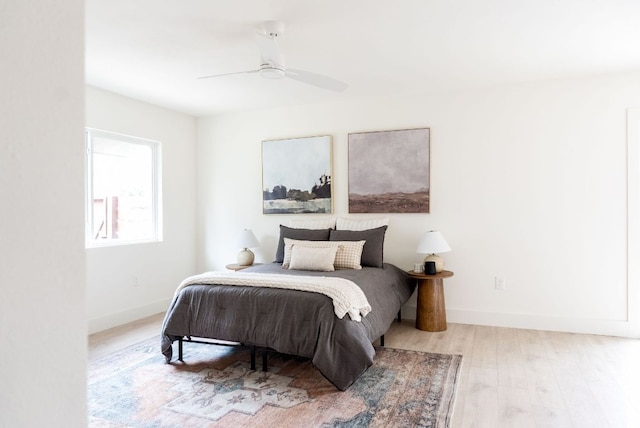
x=235, y=266
x=431, y=314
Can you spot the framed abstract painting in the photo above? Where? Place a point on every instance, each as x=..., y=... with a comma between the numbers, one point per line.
x=389, y=171
x=296, y=176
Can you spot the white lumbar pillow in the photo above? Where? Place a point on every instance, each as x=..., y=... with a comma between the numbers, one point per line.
x=348, y=254
x=312, y=258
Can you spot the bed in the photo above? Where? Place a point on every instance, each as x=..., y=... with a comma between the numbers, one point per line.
x=291, y=321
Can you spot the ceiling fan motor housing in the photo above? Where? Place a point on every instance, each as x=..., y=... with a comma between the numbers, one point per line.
x=273, y=28
x=270, y=72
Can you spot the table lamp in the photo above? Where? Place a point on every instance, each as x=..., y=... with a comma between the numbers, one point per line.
x=245, y=240
x=431, y=243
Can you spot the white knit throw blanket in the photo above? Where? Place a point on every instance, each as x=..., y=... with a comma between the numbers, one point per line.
x=347, y=297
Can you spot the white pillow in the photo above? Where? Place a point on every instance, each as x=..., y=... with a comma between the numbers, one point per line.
x=363, y=224
x=348, y=255
x=322, y=223
x=310, y=258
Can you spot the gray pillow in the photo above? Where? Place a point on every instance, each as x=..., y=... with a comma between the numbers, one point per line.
x=372, y=253
x=300, y=234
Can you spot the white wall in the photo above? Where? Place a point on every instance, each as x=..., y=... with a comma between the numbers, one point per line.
x=113, y=298
x=42, y=318
x=527, y=182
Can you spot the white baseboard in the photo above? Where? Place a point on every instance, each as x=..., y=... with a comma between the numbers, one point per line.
x=534, y=322
x=132, y=314
x=494, y=319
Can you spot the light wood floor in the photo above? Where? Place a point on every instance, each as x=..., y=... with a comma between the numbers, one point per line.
x=509, y=377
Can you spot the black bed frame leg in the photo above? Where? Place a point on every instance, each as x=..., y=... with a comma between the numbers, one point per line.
x=264, y=359
x=253, y=357
x=382, y=340
x=180, y=349
x=400, y=315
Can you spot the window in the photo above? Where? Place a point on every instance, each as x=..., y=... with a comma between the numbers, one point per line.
x=633, y=221
x=123, y=202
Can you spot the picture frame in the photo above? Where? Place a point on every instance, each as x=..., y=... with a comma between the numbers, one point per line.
x=389, y=171
x=296, y=176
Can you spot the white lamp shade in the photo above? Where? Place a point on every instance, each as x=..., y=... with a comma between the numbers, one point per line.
x=432, y=242
x=246, y=239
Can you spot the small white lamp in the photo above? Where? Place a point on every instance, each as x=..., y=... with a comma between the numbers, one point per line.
x=245, y=240
x=431, y=243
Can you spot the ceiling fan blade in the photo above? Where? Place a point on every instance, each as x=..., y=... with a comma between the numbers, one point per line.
x=228, y=74
x=315, y=79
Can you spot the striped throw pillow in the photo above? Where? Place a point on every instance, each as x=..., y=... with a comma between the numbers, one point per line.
x=360, y=224
x=321, y=223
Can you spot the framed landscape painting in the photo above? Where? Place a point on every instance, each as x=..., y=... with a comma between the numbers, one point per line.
x=296, y=176
x=389, y=171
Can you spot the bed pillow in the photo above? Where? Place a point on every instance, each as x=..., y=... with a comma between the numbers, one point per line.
x=321, y=223
x=361, y=224
x=373, y=251
x=312, y=258
x=301, y=234
x=348, y=254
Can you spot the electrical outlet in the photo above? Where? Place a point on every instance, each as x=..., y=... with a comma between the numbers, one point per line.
x=135, y=281
x=500, y=283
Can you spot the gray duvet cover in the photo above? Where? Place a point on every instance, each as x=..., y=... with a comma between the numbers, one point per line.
x=293, y=322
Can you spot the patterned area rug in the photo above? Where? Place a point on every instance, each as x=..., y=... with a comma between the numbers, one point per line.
x=216, y=388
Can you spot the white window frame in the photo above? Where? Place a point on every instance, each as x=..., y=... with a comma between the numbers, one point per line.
x=633, y=221
x=156, y=201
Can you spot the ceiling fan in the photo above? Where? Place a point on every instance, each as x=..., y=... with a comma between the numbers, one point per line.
x=272, y=62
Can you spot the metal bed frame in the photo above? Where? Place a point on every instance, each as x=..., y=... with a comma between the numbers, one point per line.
x=252, y=348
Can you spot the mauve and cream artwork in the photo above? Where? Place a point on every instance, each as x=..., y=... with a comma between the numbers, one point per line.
x=389, y=171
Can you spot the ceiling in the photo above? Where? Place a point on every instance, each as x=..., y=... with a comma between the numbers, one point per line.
x=154, y=50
